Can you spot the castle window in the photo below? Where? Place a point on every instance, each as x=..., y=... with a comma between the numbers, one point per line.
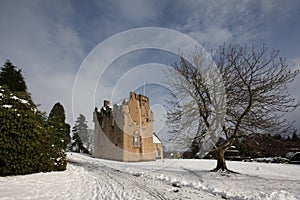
x=136, y=139
x=117, y=141
x=102, y=123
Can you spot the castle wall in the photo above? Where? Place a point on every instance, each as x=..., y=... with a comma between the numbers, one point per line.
x=158, y=151
x=107, y=146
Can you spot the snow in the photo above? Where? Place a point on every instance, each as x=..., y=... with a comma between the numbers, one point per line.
x=21, y=100
x=156, y=140
x=14, y=98
x=90, y=178
x=7, y=106
x=1, y=90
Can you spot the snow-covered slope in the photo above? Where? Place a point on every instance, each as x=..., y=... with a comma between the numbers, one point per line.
x=89, y=178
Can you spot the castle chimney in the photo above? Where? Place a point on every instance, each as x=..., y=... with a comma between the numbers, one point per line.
x=106, y=103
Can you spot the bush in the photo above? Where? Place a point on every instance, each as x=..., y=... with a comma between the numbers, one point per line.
x=24, y=143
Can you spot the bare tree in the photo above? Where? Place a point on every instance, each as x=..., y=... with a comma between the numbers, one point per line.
x=255, y=83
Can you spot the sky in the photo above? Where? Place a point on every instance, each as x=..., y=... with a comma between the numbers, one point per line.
x=56, y=44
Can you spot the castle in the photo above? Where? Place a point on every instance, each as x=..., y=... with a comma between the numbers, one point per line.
x=125, y=132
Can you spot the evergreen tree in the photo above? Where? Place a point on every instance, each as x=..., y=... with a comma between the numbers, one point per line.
x=80, y=128
x=57, y=114
x=90, y=141
x=294, y=136
x=24, y=144
x=59, y=131
x=12, y=78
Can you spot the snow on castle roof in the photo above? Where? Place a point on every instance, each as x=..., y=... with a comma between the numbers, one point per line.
x=156, y=140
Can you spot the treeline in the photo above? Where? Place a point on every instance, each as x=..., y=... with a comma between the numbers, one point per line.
x=266, y=145
x=255, y=146
x=31, y=141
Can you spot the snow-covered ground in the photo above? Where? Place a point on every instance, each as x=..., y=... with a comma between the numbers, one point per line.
x=90, y=178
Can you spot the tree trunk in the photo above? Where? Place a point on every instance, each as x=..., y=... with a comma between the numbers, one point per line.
x=221, y=164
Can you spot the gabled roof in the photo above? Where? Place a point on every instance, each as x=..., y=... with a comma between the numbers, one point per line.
x=156, y=140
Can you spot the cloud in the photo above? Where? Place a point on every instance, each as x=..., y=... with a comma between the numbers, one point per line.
x=49, y=40
x=295, y=65
x=214, y=23
x=99, y=62
x=213, y=36
x=37, y=37
x=294, y=90
x=138, y=12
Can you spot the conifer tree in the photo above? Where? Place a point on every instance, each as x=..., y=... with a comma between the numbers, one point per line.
x=25, y=139
x=24, y=143
x=80, y=128
x=12, y=78
x=57, y=114
x=294, y=136
x=59, y=131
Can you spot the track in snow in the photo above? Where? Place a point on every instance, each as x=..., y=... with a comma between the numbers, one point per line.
x=109, y=183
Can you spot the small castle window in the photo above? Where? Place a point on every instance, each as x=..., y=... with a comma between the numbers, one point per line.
x=102, y=123
x=136, y=139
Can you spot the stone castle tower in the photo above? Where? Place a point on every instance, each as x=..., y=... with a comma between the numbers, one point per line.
x=125, y=132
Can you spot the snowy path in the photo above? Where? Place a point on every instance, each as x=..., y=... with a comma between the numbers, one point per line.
x=254, y=180
x=120, y=183
x=89, y=178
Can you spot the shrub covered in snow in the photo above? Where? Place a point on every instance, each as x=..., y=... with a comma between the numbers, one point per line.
x=29, y=142
x=23, y=141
